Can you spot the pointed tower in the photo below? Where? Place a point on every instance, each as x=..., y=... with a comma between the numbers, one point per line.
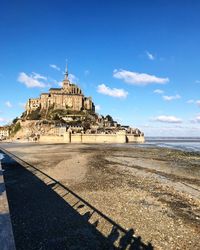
x=66, y=81
x=66, y=72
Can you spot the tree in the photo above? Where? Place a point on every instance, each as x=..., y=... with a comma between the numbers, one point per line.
x=110, y=119
x=15, y=120
x=34, y=115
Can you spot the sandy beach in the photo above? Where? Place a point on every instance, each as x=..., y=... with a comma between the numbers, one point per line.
x=154, y=191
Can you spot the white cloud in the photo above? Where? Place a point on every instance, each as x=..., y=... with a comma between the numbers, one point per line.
x=97, y=107
x=53, y=66
x=139, y=79
x=60, y=83
x=38, y=76
x=190, y=101
x=3, y=120
x=196, y=119
x=158, y=91
x=198, y=102
x=193, y=101
x=150, y=56
x=167, y=119
x=73, y=78
x=8, y=104
x=172, y=97
x=119, y=93
x=171, y=129
x=31, y=81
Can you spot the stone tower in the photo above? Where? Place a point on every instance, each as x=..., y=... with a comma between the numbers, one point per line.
x=66, y=81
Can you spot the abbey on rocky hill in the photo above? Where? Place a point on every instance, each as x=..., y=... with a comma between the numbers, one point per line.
x=70, y=96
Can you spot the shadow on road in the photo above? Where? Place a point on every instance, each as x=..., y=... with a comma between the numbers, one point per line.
x=45, y=214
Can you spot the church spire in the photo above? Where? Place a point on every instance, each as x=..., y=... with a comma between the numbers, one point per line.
x=66, y=71
x=66, y=81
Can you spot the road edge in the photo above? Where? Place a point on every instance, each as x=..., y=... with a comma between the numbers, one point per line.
x=6, y=230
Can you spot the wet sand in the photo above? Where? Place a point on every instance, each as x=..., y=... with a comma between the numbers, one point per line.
x=154, y=191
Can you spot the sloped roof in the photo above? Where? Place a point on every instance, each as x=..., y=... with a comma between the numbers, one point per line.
x=54, y=89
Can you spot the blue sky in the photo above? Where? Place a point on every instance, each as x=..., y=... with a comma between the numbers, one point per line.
x=139, y=60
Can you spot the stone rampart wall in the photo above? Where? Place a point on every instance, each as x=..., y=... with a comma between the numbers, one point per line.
x=76, y=138
x=103, y=138
x=91, y=138
x=133, y=138
x=52, y=139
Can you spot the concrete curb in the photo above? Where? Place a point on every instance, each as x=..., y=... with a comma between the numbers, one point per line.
x=6, y=233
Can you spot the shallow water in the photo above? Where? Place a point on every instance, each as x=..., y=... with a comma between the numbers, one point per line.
x=181, y=143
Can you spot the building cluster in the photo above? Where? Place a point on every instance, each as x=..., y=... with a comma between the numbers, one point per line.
x=100, y=125
x=4, y=132
x=70, y=96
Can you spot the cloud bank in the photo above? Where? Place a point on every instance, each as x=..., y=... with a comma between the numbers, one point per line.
x=190, y=101
x=32, y=81
x=4, y=120
x=172, y=97
x=167, y=119
x=158, y=91
x=150, y=56
x=8, y=104
x=139, y=79
x=194, y=101
x=73, y=78
x=198, y=102
x=114, y=92
x=53, y=66
x=196, y=119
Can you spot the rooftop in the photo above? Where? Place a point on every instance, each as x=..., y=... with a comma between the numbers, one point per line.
x=55, y=89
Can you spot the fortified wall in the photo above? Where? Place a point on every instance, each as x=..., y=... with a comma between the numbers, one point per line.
x=119, y=137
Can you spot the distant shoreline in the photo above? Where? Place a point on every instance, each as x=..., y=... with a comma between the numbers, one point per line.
x=172, y=138
x=187, y=144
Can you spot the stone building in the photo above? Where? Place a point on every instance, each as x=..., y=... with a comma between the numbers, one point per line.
x=4, y=132
x=70, y=96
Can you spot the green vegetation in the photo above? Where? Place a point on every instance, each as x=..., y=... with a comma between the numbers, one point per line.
x=15, y=128
x=57, y=114
x=34, y=115
x=23, y=116
x=15, y=120
x=110, y=119
x=84, y=118
x=56, y=117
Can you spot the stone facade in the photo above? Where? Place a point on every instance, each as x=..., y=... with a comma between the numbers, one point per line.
x=4, y=132
x=70, y=96
x=68, y=137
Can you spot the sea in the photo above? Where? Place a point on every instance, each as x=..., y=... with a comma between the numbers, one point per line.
x=188, y=144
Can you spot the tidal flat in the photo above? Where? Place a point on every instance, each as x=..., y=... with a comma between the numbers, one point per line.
x=155, y=192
